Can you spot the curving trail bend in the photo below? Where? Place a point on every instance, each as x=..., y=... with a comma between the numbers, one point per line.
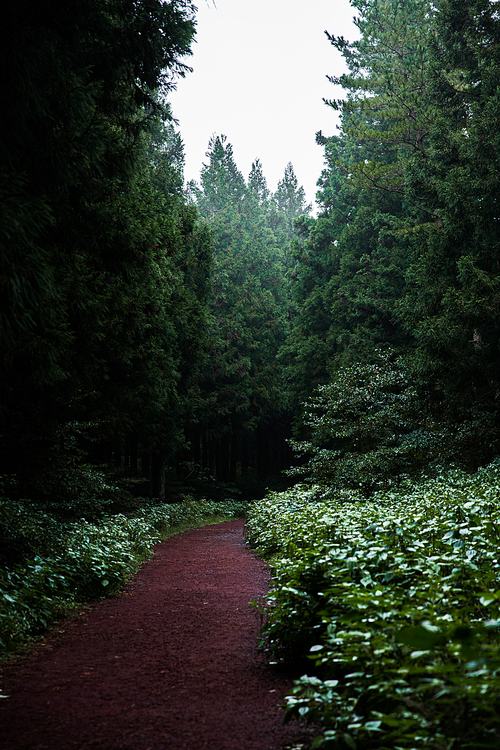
x=170, y=664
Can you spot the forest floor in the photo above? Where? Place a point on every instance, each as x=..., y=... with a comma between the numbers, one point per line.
x=170, y=664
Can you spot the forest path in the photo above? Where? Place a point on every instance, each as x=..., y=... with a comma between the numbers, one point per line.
x=170, y=664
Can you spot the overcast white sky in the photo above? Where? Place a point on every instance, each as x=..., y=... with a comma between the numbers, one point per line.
x=259, y=78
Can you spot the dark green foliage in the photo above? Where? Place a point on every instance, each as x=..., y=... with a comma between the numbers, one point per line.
x=394, y=603
x=386, y=114
x=289, y=201
x=404, y=253
x=369, y=428
x=243, y=416
x=105, y=270
x=351, y=262
x=392, y=593
x=349, y=275
x=366, y=429
x=452, y=304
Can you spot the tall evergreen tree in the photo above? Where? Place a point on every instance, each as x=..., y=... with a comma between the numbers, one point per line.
x=386, y=114
x=404, y=253
x=351, y=261
x=452, y=304
x=257, y=184
x=94, y=259
x=290, y=200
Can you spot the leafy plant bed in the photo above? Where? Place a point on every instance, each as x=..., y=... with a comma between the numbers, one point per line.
x=395, y=603
x=81, y=561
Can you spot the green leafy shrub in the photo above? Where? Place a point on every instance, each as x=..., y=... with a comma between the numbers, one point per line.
x=364, y=424
x=369, y=430
x=24, y=531
x=102, y=556
x=32, y=595
x=395, y=601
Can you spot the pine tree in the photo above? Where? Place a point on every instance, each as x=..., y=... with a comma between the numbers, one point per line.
x=351, y=262
x=91, y=271
x=387, y=113
x=290, y=200
x=452, y=304
x=257, y=184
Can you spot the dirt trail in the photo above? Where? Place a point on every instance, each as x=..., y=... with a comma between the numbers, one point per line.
x=171, y=664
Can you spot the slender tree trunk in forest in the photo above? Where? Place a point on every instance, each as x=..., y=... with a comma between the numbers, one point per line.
x=157, y=478
x=233, y=457
x=204, y=453
x=117, y=454
x=273, y=453
x=195, y=440
x=145, y=463
x=133, y=455
x=224, y=461
x=262, y=452
x=211, y=457
x=244, y=453
x=219, y=467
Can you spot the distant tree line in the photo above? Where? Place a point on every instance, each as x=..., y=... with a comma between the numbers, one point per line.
x=243, y=419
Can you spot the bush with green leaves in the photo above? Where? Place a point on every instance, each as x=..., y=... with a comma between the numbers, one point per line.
x=395, y=603
x=60, y=564
x=370, y=429
x=191, y=512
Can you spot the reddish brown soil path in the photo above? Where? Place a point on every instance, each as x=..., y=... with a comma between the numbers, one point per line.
x=171, y=664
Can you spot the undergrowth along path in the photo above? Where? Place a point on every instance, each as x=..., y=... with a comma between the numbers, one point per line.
x=170, y=664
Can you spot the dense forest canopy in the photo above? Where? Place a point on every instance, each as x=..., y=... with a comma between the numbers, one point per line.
x=175, y=331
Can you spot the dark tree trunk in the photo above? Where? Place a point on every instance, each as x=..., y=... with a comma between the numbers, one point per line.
x=244, y=453
x=224, y=458
x=126, y=457
x=195, y=440
x=262, y=452
x=146, y=464
x=211, y=456
x=233, y=457
x=157, y=479
x=133, y=454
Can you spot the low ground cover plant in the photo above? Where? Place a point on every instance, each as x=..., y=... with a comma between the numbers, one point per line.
x=59, y=564
x=393, y=602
